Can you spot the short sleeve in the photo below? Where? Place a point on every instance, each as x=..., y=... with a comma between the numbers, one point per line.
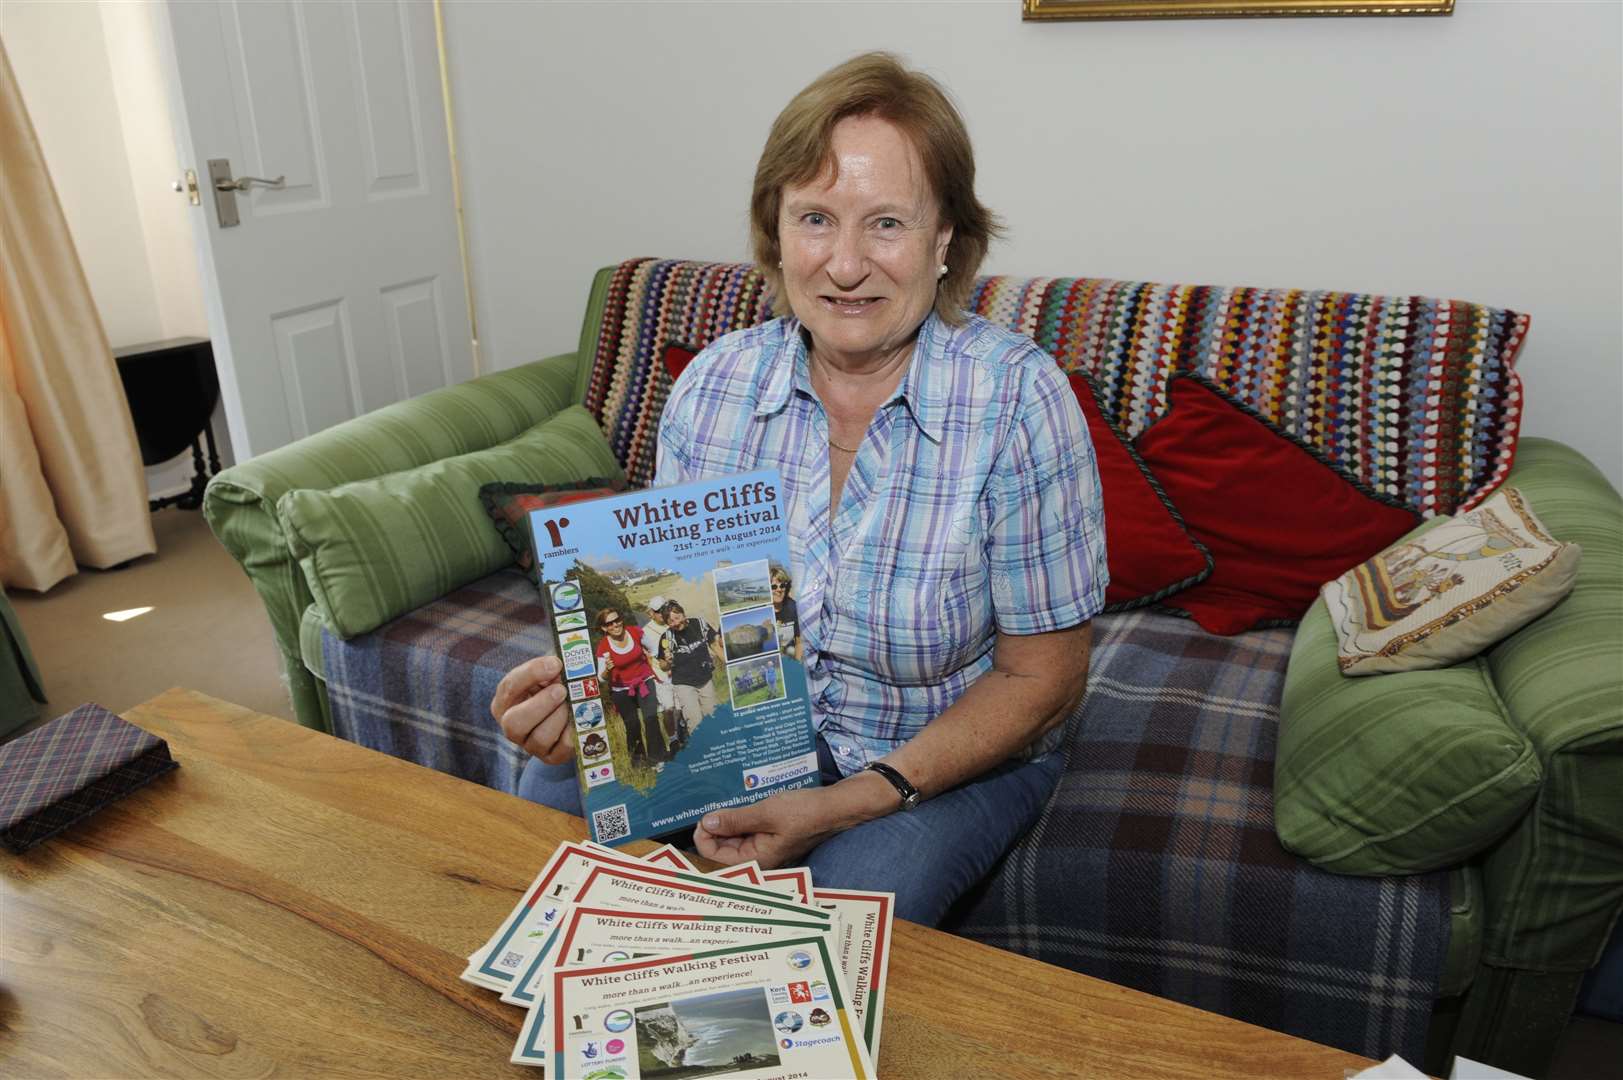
x=1046, y=538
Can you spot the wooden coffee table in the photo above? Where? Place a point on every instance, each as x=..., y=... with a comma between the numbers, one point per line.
x=289, y=902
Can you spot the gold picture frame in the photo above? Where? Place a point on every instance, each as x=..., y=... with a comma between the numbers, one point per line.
x=1043, y=10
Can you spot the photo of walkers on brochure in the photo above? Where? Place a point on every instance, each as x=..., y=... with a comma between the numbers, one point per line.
x=681, y=650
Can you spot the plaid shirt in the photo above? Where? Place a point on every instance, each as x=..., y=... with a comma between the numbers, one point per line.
x=973, y=504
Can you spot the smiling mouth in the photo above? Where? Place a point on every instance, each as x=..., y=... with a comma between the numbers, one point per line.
x=852, y=305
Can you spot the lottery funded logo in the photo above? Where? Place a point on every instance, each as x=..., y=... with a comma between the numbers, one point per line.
x=599, y=774
x=588, y=715
x=582, y=689
x=565, y=596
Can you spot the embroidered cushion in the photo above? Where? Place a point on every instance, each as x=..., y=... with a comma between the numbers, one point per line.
x=1151, y=553
x=1278, y=521
x=1435, y=599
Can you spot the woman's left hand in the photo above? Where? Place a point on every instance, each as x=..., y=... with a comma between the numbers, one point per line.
x=774, y=832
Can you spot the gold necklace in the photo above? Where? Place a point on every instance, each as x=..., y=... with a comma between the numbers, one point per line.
x=847, y=449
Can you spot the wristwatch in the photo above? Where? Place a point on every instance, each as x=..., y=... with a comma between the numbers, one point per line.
x=909, y=793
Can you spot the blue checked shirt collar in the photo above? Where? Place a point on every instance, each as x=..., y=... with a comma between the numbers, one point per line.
x=923, y=387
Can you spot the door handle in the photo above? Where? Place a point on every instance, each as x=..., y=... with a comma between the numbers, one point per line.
x=226, y=188
x=246, y=182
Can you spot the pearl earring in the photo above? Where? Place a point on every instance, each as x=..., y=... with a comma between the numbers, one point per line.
x=943, y=271
x=780, y=264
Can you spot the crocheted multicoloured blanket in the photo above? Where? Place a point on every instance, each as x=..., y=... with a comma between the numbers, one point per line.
x=1417, y=398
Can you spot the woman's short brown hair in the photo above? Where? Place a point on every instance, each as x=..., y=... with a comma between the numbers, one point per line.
x=800, y=147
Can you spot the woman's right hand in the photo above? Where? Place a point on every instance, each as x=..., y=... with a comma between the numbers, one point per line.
x=532, y=706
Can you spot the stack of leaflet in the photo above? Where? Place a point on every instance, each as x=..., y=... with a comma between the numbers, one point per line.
x=634, y=968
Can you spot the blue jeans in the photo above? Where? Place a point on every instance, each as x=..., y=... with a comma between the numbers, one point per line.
x=928, y=857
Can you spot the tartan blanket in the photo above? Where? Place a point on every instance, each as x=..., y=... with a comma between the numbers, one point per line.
x=419, y=687
x=1154, y=866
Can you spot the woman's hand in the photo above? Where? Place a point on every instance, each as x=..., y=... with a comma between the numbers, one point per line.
x=774, y=832
x=531, y=705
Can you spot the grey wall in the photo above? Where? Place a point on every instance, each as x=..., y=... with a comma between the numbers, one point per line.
x=1477, y=157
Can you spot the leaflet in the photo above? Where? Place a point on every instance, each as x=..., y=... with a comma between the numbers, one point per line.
x=762, y=1011
x=495, y=965
x=600, y=935
x=863, y=943
x=613, y=886
x=797, y=879
x=732, y=724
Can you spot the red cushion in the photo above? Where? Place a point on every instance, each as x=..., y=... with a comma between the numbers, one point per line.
x=509, y=506
x=1278, y=521
x=677, y=357
x=1151, y=554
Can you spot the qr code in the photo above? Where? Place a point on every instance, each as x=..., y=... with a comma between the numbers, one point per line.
x=611, y=823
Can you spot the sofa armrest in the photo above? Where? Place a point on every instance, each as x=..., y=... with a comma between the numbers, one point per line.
x=240, y=503
x=1554, y=885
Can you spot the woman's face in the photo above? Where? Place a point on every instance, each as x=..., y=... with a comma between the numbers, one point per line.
x=862, y=249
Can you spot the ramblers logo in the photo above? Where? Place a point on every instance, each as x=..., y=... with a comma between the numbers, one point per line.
x=555, y=530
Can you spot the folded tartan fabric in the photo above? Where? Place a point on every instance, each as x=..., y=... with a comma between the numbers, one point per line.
x=68, y=769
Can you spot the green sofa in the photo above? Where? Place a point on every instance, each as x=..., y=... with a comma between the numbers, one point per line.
x=1533, y=900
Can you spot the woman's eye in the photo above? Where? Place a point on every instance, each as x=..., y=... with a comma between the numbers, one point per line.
x=889, y=223
x=814, y=218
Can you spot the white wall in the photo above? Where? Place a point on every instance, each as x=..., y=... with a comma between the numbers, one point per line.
x=91, y=77
x=1478, y=156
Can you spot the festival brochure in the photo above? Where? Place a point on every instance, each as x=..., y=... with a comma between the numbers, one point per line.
x=749, y=872
x=506, y=953
x=670, y=855
x=601, y=935
x=737, y=726
x=797, y=878
x=613, y=886
x=862, y=940
x=765, y=1011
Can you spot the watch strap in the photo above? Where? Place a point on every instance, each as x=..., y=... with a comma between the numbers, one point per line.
x=909, y=793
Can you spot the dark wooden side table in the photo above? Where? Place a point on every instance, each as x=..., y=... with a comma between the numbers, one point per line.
x=172, y=390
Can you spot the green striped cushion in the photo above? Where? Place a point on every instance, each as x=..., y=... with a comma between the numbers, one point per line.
x=1395, y=773
x=375, y=549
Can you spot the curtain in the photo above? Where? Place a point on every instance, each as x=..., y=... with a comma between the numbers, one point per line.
x=72, y=489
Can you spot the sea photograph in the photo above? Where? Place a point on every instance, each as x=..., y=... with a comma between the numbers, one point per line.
x=699, y=1036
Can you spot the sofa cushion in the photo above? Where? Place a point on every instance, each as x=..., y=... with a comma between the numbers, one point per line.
x=1408, y=772
x=510, y=505
x=1151, y=554
x=374, y=549
x=1278, y=521
x=1432, y=600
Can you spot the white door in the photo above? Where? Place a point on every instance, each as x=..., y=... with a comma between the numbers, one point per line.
x=341, y=289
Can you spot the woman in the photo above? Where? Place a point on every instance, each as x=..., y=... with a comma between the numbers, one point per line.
x=624, y=668
x=941, y=496
x=785, y=613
